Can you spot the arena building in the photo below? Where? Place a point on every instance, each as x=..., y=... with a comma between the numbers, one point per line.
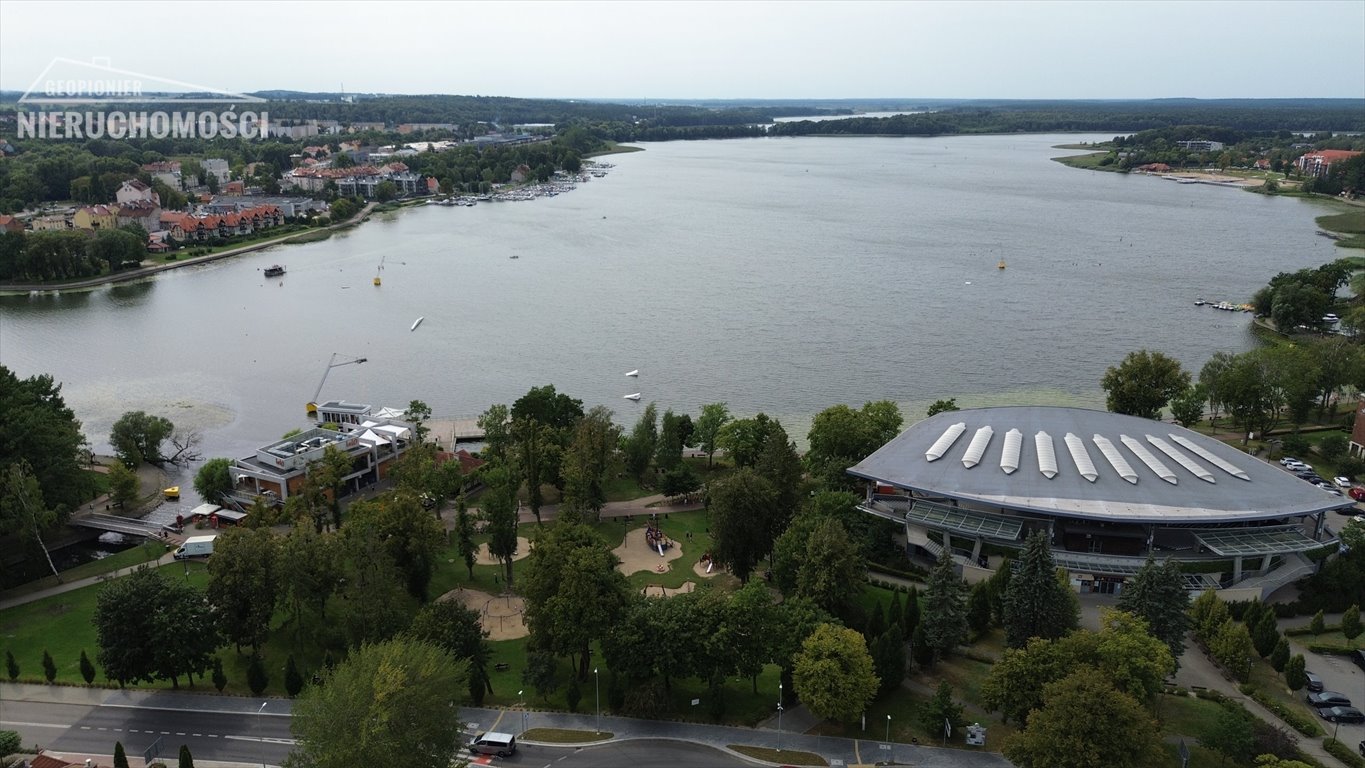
x=1107, y=489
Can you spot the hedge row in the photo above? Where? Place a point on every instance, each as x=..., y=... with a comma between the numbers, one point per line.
x=1301, y=631
x=1343, y=753
x=1296, y=720
x=1333, y=650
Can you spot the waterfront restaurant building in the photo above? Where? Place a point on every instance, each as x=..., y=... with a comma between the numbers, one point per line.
x=1107, y=489
x=373, y=439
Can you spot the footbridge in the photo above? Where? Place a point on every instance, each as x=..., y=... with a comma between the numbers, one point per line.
x=125, y=525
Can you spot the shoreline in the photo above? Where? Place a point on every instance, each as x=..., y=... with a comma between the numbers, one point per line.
x=141, y=272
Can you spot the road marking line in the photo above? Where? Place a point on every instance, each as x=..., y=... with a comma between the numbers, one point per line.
x=36, y=725
x=178, y=733
x=494, y=726
x=85, y=727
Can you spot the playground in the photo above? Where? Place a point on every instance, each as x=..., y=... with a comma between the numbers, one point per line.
x=502, y=616
x=647, y=549
x=485, y=558
x=659, y=590
x=706, y=569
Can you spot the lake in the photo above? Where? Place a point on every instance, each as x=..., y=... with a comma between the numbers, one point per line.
x=783, y=275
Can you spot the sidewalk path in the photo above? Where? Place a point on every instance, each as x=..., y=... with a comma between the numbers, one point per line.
x=71, y=586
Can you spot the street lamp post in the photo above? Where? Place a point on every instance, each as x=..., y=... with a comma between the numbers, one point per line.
x=523, y=709
x=888, y=729
x=779, y=717
x=259, y=712
x=597, y=688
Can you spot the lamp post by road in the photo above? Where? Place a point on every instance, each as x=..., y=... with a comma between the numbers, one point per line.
x=779, y=717
x=259, y=712
x=888, y=729
x=522, y=704
x=597, y=688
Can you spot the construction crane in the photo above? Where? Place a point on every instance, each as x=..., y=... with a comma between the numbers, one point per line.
x=313, y=404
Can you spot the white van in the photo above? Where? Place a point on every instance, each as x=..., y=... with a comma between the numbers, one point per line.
x=493, y=743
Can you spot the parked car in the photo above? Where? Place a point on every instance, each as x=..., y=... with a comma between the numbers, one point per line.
x=1314, y=682
x=1342, y=482
x=1357, y=493
x=1341, y=715
x=1358, y=656
x=1362, y=747
x=1286, y=461
x=493, y=743
x=1327, y=699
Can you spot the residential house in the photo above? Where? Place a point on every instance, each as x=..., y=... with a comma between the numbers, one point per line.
x=1317, y=163
x=95, y=217
x=406, y=128
x=52, y=223
x=167, y=173
x=11, y=224
x=234, y=188
x=286, y=207
x=316, y=151
x=145, y=214
x=1201, y=145
x=134, y=191
x=217, y=168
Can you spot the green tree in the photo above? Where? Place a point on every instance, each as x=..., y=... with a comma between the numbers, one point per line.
x=1350, y=622
x=1266, y=634
x=833, y=673
x=1062, y=734
x=385, y=699
x=1038, y=603
x=293, y=680
x=1211, y=379
x=501, y=517
x=137, y=437
x=743, y=439
x=888, y=658
x=713, y=417
x=1143, y=383
x=464, y=537
x=412, y=538
x=1231, y=735
x=942, y=406
x=256, y=676
x=186, y=759
x=638, y=448
x=740, y=508
x=49, y=667
x=945, y=609
x=418, y=414
x=1318, y=624
x=244, y=584
x=589, y=457
x=1280, y=656
x=308, y=569
x=120, y=758
x=1295, y=675
x=1158, y=595
x=40, y=432
x=11, y=666
x=329, y=474
x=87, y=669
x=150, y=627
x=841, y=437
x=536, y=448
x=22, y=509
x=979, y=609
x=573, y=592
x=123, y=485
x=219, y=678
x=668, y=449
x=214, y=480
x=449, y=625
x=941, y=710
x=385, y=191
x=1187, y=407
x=1232, y=649
x=496, y=426
x=831, y=573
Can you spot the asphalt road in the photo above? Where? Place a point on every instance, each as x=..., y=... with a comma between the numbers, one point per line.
x=624, y=754
x=211, y=735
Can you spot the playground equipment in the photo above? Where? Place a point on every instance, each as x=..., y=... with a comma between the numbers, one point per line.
x=706, y=558
x=655, y=537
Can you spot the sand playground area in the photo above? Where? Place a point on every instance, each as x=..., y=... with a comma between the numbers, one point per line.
x=482, y=557
x=503, y=616
x=658, y=590
x=636, y=553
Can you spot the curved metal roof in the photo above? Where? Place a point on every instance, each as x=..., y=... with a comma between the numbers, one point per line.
x=1149, y=471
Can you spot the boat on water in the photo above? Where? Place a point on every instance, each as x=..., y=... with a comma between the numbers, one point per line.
x=635, y=372
x=172, y=493
x=416, y=323
x=1199, y=302
x=275, y=270
x=635, y=397
x=514, y=256
x=1001, y=265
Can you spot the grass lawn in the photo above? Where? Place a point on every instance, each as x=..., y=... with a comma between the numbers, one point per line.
x=1089, y=162
x=1348, y=222
x=1265, y=677
x=142, y=553
x=1187, y=716
x=99, y=483
x=563, y=735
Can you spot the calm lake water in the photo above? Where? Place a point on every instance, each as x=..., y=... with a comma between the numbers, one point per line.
x=782, y=275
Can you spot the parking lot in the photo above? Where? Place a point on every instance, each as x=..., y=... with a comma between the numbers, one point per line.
x=1338, y=674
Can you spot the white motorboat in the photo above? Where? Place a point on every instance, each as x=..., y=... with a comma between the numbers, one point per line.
x=633, y=373
x=416, y=323
x=635, y=396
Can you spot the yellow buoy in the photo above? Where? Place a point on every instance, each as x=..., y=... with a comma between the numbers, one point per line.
x=376, y=279
x=1001, y=265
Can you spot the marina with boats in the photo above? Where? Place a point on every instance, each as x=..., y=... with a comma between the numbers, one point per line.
x=561, y=182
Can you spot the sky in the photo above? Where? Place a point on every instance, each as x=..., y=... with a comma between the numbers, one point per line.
x=712, y=50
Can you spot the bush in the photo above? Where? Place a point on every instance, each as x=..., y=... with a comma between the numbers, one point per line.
x=1295, y=444
x=1296, y=720
x=1331, y=650
x=10, y=742
x=1333, y=446
x=1209, y=694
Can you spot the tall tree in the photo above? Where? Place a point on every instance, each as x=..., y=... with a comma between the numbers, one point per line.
x=412, y=538
x=329, y=472
x=743, y=439
x=590, y=456
x=464, y=536
x=942, y=406
x=449, y=625
x=573, y=591
x=739, y=508
x=308, y=570
x=841, y=437
x=1158, y=595
x=1037, y=603
x=213, y=481
x=713, y=417
x=668, y=448
x=496, y=426
x=1063, y=734
x=639, y=447
x=244, y=584
x=1143, y=383
x=501, y=515
x=1266, y=634
x=22, y=510
x=123, y=486
x=1211, y=379
x=150, y=627
x=41, y=432
x=137, y=438
x=536, y=448
x=120, y=757
x=385, y=699
x=833, y=674
x=418, y=414
x=945, y=608
x=831, y=574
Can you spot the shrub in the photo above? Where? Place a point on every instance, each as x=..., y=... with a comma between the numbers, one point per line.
x=1333, y=446
x=1296, y=720
x=11, y=666
x=256, y=678
x=10, y=742
x=1343, y=753
x=1318, y=623
x=87, y=669
x=219, y=679
x=49, y=666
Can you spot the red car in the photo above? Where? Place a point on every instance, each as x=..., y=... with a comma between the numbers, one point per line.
x=1357, y=493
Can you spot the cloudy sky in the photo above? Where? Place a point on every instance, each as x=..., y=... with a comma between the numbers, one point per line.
x=662, y=50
